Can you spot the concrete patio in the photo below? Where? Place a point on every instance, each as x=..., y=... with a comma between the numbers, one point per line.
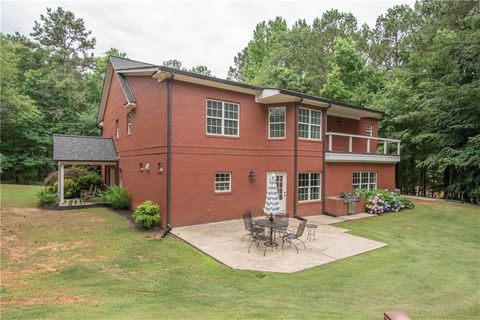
x=222, y=241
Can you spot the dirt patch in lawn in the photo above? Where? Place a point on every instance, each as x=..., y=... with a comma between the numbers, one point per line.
x=45, y=300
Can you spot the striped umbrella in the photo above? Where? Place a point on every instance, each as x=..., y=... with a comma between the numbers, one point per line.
x=272, y=203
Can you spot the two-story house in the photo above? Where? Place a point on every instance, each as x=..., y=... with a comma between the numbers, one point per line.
x=202, y=147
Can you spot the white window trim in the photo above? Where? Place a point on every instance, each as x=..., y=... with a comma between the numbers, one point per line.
x=369, y=130
x=284, y=123
x=222, y=119
x=117, y=129
x=310, y=124
x=368, y=183
x=129, y=124
x=229, y=182
x=309, y=188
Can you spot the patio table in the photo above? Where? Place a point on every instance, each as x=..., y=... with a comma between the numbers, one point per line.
x=266, y=223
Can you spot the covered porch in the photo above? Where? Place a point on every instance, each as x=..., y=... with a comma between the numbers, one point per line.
x=70, y=150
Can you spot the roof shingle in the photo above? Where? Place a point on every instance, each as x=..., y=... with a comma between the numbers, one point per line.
x=83, y=148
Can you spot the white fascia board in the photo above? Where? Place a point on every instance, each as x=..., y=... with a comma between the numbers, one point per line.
x=360, y=157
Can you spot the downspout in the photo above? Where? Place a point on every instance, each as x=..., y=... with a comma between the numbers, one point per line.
x=169, y=153
x=325, y=121
x=295, y=161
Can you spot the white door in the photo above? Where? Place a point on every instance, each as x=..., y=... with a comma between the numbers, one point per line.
x=281, y=187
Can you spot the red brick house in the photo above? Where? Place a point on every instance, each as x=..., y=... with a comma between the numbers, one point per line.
x=202, y=147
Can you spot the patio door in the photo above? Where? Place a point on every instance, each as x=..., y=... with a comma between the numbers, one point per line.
x=281, y=187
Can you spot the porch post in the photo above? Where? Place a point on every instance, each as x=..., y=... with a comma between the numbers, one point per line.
x=61, y=178
x=384, y=147
x=350, y=144
x=368, y=145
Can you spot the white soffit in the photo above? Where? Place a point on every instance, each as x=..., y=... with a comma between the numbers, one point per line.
x=162, y=75
x=352, y=113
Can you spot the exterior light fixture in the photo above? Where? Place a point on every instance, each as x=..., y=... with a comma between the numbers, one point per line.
x=147, y=167
x=160, y=168
x=252, y=175
x=141, y=167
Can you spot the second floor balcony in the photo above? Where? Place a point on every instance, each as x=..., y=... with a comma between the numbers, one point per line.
x=344, y=147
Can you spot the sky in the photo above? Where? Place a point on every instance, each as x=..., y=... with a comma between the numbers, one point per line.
x=207, y=33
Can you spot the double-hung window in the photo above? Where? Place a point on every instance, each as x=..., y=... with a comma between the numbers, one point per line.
x=129, y=124
x=309, y=186
x=368, y=130
x=309, y=124
x=223, y=182
x=276, y=122
x=223, y=118
x=365, y=180
x=117, y=129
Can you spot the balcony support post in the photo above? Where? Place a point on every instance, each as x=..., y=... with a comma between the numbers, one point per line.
x=368, y=145
x=350, y=144
x=330, y=142
x=398, y=148
x=384, y=147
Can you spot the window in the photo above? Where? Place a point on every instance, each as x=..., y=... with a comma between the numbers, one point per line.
x=117, y=129
x=222, y=118
x=309, y=186
x=223, y=182
x=365, y=180
x=368, y=130
x=276, y=122
x=129, y=124
x=309, y=124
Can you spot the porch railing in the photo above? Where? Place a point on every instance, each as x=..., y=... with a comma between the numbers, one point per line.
x=352, y=143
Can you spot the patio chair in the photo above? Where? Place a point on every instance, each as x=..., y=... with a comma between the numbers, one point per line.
x=280, y=232
x=257, y=239
x=88, y=194
x=291, y=237
x=249, y=227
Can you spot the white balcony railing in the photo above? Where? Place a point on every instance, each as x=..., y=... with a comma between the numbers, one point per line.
x=352, y=143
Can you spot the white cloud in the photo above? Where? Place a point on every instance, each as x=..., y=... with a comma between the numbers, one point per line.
x=196, y=33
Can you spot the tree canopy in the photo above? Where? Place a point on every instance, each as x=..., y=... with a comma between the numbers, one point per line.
x=419, y=65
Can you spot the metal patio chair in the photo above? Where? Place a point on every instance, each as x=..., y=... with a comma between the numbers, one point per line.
x=291, y=237
x=258, y=238
x=249, y=226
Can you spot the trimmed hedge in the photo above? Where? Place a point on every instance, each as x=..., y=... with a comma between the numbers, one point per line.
x=147, y=214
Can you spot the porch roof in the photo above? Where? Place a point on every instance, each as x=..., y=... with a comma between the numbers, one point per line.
x=70, y=148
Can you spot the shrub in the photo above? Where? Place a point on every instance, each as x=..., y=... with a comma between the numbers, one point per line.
x=91, y=179
x=70, y=173
x=147, y=214
x=381, y=201
x=117, y=197
x=70, y=188
x=47, y=196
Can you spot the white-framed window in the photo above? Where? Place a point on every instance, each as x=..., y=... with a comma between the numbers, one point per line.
x=368, y=130
x=129, y=123
x=365, y=180
x=117, y=129
x=276, y=122
x=223, y=182
x=223, y=118
x=309, y=187
x=309, y=124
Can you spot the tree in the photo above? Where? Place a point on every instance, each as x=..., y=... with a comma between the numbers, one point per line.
x=65, y=37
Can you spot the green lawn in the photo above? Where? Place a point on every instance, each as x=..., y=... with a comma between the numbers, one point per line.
x=18, y=195
x=92, y=263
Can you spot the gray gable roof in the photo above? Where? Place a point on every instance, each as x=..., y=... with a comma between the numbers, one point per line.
x=122, y=63
x=83, y=148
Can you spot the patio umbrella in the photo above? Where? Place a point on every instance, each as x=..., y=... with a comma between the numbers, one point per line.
x=272, y=203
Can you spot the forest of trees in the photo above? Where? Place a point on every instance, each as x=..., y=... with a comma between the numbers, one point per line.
x=419, y=65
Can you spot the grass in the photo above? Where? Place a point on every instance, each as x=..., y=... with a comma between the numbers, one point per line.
x=18, y=195
x=92, y=263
